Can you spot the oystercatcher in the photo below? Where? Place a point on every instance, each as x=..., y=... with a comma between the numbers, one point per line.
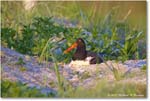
x=82, y=54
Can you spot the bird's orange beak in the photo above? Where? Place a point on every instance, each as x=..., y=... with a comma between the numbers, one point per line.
x=71, y=47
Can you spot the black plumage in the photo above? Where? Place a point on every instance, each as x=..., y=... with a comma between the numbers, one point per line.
x=82, y=54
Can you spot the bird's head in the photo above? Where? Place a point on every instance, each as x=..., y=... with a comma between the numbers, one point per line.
x=78, y=44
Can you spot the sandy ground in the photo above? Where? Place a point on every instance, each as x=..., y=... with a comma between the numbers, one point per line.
x=42, y=75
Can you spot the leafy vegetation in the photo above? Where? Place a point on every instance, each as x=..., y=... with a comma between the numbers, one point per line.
x=116, y=39
x=119, y=42
x=20, y=61
x=17, y=89
x=31, y=38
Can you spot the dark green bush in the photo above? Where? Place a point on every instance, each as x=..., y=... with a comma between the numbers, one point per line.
x=115, y=41
x=32, y=37
x=9, y=38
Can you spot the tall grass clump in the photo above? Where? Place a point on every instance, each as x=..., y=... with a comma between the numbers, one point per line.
x=104, y=89
x=48, y=51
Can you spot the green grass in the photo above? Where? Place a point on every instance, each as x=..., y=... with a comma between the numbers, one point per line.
x=83, y=12
x=104, y=89
x=101, y=89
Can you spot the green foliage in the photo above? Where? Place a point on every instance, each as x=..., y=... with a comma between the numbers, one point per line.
x=20, y=61
x=109, y=35
x=130, y=47
x=17, y=89
x=48, y=49
x=104, y=89
x=32, y=37
x=42, y=30
x=9, y=38
x=116, y=40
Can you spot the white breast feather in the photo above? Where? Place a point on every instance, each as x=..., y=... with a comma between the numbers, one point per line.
x=81, y=62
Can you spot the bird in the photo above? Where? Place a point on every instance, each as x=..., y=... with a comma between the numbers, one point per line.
x=81, y=54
